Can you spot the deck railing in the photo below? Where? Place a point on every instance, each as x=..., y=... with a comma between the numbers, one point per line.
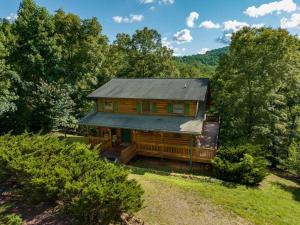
x=128, y=153
x=176, y=152
x=104, y=142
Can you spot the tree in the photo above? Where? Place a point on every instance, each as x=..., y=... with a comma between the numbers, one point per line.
x=293, y=161
x=255, y=87
x=52, y=107
x=242, y=163
x=8, y=78
x=144, y=55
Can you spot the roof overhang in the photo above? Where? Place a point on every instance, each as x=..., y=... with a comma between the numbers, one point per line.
x=172, y=124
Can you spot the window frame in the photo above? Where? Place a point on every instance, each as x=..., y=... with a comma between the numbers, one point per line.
x=174, y=106
x=111, y=109
x=142, y=107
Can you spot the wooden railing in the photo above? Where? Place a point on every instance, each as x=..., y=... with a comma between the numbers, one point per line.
x=104, y=142
x=128, y=153
x=210, y=118
x=175, y=152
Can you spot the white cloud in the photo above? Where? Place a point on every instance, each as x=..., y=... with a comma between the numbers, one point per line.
x=293, y=22
x=166, y=2
x=234, y=25
x=190, y=20
x=131, y=19
x=203, y=51
x=269, y=8
x=147, y=1
x=208, y=24
x=12, y=17
x=258, y=25
x=169, y=44
x=183, y=36
x=152, y=8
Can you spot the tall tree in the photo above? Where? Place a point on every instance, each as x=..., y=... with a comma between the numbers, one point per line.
x=8, y=79
x=144, y=55
x=255, y=88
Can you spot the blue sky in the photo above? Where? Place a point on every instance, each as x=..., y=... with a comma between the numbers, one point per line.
x=186, y=26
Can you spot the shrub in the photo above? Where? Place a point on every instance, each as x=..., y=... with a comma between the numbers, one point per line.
x=93, y=190
x=241, y=164
x=12, y=219
x=293, y=161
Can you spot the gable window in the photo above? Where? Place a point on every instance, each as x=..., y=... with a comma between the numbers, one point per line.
x=108, y=106
x=146, y=108
x=178, y=108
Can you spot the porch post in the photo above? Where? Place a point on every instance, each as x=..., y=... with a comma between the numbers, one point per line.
x=191, y=155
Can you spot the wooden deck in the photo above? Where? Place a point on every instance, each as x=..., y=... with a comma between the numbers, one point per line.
x=178, y=152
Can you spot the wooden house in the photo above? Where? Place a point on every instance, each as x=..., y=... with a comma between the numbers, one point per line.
x=163, y=118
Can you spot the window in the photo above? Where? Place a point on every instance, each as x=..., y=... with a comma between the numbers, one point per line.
x=146, y=107
x=178, y=108
x=108, y=106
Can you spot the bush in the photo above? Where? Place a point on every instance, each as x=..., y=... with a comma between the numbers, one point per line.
x=12, y=219
x=47, y=169
x=241, y=164
x=293, y=161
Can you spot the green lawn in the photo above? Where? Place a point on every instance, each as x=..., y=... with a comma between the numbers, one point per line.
x=69, y=137
x=275, y=201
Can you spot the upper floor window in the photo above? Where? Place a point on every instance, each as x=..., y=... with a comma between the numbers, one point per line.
x=178, y=108
x=146, y=107
x=108, y=106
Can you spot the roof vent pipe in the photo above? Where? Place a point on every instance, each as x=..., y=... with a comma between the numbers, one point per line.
x=185, y=86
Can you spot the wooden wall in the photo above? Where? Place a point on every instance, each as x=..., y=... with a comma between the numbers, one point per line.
x=129, y=106
x=161, y=138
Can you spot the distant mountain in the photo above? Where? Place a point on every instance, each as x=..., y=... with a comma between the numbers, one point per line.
x=210, y=58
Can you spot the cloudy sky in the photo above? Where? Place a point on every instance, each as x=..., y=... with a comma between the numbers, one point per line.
x=186, y=26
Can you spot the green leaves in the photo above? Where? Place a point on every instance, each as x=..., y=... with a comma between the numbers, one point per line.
x=255, y=88
x=242, y=164
x=47, y=169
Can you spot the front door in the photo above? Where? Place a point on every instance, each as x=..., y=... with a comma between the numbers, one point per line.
x=126, y=136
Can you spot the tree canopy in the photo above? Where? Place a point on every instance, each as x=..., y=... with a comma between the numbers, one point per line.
x=255, y=89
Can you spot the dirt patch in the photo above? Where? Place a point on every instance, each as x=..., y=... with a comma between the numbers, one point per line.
x=166, y=204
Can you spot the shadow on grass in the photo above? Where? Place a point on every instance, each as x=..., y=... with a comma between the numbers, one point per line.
x=295, y=191
x=166, y=166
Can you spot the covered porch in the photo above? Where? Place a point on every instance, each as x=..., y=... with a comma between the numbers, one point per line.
x=123, y=136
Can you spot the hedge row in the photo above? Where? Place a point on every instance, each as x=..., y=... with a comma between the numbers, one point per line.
x=48, y=169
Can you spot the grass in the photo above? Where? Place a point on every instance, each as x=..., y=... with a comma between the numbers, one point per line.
x=69, y=137
x=276, y=201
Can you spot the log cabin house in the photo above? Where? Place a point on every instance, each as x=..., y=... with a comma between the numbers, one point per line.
x=163, y=118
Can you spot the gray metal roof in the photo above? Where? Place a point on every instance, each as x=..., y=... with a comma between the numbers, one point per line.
x=174, y=124
x=168, y=89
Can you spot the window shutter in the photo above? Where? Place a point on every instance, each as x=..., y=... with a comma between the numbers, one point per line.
x=153, y=107
x=101, y=105
x=170, y=108
x=138, y=107
x=186, y=108
x=116, y=107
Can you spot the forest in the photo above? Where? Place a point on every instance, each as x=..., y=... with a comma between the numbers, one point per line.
x=49, y=63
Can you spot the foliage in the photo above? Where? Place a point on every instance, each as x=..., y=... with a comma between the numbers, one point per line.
x=8, y=78
x=242, y=164
x=210, y=58
x=48, y=169
x=12, y=219
x=254, y=89
x=293, y=161
x=52, y=107
x=194, y=71
x=143, y=55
